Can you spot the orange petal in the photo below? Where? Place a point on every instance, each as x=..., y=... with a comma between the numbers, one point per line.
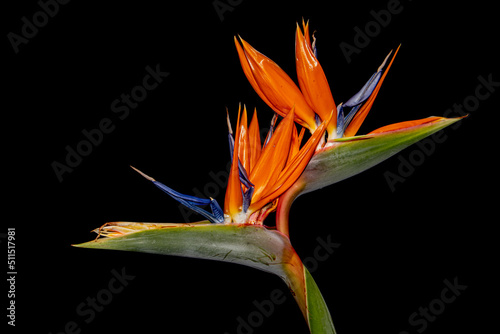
x=300, y=161
x=312, y=79
x=306, y=31
x=293, y=170
x=244, y=147
x=295, y=143
x=406, y=124
x=280, y=92
x=248, y=73
x=233, y=202
x=254, y=141
x=360, y=116
x=273, y=157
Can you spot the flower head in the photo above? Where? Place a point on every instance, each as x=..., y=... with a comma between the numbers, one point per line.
x=313, y=101
x=260, y=174
x=314, y=98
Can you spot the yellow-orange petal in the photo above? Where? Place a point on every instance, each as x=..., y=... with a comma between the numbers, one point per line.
x=360, y=116
x=312, y=80
x=280, y=92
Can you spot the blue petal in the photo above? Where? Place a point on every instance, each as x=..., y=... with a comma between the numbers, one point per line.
x=350, y=115
x=217, y=211
x=340, y=120
x=178, y=196
x=192, y=202
x=247, y=198
x=244, y=176
x=358, y=99
x=365, y=92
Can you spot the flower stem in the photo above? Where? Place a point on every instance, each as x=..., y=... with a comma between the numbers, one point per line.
x=284, y=204
x=311, y=302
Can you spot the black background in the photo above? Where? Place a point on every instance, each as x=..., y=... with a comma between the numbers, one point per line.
x=397, y=247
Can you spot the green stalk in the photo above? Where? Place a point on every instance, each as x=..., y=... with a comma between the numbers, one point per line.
x=313, y=305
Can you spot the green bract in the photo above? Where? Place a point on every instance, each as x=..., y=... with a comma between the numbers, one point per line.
x=250, y=245
x=350, y=156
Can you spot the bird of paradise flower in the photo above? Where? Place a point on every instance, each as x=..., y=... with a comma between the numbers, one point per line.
x=269, y=176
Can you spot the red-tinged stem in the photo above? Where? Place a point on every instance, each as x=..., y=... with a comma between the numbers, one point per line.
x=284, y=204
x=308, y=297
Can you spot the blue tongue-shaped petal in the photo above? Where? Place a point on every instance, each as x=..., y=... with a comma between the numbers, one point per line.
x=365, y=92
x=192, y=202
x=357, y=100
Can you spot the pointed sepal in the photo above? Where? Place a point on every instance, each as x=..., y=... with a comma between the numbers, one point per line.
x=350, y=156
x=251, y=245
